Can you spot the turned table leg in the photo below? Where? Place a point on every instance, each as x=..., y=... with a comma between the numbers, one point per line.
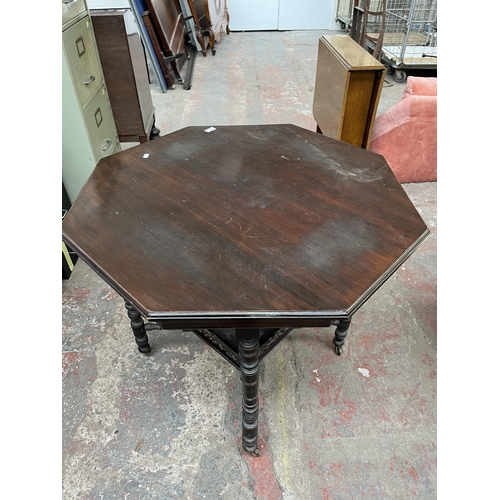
x=137, y=324
x=340, y=334
x=248, y=344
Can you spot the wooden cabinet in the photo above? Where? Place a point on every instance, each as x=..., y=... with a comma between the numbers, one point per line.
x=125, y=71
x=347, y=90
x=88, y=127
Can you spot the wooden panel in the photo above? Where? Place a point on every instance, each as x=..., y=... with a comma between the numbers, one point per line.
x=330, y=91
x=198, y=11
x=167, y=18
x=125, y=72
x=357, y=105
x=353, y=56
x=166, y=69
x=347, y=90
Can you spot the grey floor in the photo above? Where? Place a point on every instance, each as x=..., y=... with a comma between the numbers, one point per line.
x=167, y=425
x=255, y=77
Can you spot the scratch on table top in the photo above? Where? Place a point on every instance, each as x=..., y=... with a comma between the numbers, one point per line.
x=284, y=213
x=245, y=236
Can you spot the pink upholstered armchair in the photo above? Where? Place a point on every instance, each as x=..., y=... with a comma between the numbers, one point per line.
x=406, y=134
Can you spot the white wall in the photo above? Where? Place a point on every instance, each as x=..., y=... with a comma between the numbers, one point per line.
x=262, y=15
x=108, y=4
x=259, y=15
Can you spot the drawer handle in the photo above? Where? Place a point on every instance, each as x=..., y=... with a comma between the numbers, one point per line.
x=108, y=143
x=69, y=1
x=90, y=80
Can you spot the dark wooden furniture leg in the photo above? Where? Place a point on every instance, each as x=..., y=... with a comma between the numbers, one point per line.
x=137, y=324
x=248, y=344
x=340, y=334
x=211, y=40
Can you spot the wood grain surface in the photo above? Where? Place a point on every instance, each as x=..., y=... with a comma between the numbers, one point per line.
x=125, y=73
x=269, y=221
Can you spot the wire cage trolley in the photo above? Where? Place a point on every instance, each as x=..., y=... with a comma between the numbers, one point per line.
x=344, y=12
x=409, y=34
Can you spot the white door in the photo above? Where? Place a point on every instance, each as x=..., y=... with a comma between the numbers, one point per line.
x=256, y=15
x=260, y=15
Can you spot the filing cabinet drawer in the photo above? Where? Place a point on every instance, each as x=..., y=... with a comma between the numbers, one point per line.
x=101, y=126
x=83, y=61
x=71, y=9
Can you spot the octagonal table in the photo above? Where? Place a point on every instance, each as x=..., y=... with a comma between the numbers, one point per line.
x=242, y=233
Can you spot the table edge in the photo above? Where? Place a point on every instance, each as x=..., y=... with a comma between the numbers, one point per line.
x=397, y=264
x=206, y=319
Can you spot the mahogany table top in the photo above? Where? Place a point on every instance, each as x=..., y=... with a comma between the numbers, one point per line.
x=270, y=225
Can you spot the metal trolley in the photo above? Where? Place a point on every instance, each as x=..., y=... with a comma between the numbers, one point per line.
x=409, y=37
x=344, y=13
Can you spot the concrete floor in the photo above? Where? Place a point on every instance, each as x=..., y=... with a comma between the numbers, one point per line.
x=168, y=425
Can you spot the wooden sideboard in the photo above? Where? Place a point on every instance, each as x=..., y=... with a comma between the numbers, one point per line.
x=125, y=70
x=347, y=90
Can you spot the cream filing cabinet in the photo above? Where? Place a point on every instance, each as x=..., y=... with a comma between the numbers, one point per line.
x=88, y=128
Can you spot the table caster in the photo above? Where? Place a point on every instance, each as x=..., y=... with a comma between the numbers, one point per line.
x=339, y=350
x=256, y=452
